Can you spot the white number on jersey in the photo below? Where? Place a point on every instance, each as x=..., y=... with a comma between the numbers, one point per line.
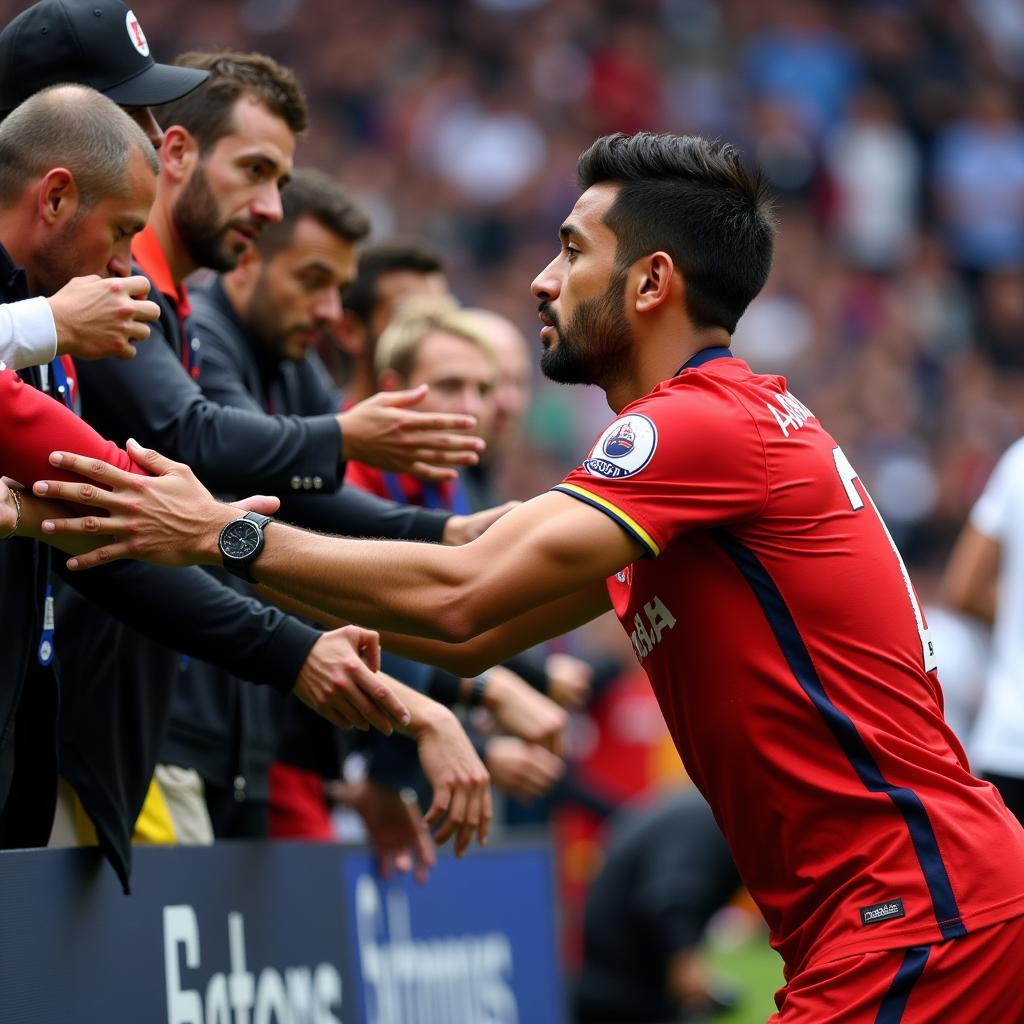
x=847, y=474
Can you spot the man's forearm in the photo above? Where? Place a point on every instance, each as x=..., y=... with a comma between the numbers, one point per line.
x=403, y=587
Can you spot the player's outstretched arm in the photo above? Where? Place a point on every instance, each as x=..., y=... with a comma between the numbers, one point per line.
x=543, y=550
x=498, y=644
x=493, y=647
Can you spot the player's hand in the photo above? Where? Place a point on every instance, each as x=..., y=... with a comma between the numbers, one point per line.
x=339, y=679
x=522, y=770
x=462, y=795
x=395, y=827
x=98, y=318
x=568, y=681
x=520, y=710
x=462, y=529
x=385, y=431
x=168, y=518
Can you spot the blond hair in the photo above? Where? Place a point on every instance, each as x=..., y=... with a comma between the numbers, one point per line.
x=399, y=344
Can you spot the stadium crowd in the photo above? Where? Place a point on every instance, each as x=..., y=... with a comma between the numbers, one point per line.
x=353, y=348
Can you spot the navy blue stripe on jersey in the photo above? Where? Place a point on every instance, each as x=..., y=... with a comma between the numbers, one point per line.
x=844, y=731
x=895, y=1001
x=705, y=355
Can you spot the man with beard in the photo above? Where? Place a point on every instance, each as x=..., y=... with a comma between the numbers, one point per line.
x=758, y=586
x=258, y=325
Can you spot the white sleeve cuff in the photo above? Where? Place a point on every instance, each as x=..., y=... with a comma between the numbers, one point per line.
x=28, y=333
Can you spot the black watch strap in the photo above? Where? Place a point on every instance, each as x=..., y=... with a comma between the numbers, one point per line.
x=239, y=566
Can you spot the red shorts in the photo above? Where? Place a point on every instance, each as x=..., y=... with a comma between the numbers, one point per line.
x=977, y=979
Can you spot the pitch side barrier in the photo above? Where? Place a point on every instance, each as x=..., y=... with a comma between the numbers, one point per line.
x=277, y=933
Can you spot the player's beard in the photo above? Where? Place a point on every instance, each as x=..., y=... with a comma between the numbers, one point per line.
x=265, y=325
x=197, y=220
x=592, y=343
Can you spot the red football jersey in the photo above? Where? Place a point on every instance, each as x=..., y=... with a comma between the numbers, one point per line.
x=776, y=622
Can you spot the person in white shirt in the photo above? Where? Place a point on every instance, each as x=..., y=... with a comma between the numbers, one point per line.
x=985, y=578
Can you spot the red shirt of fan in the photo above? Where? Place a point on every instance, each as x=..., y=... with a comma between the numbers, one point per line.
x=777, y=624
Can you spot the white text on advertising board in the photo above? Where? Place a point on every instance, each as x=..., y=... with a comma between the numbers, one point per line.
x=298, y=995
x=459, y=979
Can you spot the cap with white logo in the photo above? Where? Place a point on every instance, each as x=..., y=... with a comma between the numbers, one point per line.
x=98, y=43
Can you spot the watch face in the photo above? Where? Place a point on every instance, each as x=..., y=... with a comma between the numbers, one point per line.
x=240, y=539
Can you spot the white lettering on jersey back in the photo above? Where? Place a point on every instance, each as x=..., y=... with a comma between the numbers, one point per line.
x=647, y=635
x=794, y=413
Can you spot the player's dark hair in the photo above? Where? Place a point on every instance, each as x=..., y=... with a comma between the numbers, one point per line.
x=695, y=200
x=208, y=111
x=312, y=193
x=375, y=261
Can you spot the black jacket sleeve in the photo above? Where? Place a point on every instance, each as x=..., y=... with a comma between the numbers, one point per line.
x=189, y=611
x=153, y=399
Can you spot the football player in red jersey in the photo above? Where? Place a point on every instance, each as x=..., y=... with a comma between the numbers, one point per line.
x=761, y=591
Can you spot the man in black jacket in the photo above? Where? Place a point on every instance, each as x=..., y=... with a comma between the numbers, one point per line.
x=220, y=729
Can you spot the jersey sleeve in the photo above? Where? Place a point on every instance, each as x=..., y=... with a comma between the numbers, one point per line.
x=991, y=514
x=32, y=425
x=672, y=462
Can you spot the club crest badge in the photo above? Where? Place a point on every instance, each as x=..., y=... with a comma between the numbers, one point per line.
x=624, y=448
x=135, y=34
x=621, y=443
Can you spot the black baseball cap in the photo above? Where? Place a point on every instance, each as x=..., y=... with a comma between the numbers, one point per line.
x=98, y=43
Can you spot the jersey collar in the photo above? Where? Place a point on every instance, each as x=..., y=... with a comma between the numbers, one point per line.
x=705, y=355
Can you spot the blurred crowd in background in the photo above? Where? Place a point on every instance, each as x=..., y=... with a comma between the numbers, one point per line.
x=891, y=131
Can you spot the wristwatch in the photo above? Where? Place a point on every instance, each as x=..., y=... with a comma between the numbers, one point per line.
x=240, y=543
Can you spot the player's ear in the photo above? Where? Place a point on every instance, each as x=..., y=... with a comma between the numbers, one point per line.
x=178, y=154
x=655, y=277
x=57, y=197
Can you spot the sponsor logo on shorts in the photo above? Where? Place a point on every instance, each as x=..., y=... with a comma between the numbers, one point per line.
x=879, y=912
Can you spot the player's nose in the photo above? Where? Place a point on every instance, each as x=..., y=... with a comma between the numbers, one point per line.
x=545, y=285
